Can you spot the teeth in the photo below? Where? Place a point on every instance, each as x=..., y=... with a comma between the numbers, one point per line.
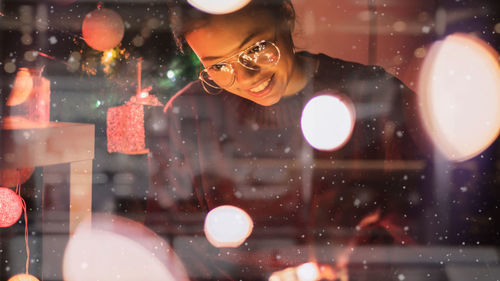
x=261, y=87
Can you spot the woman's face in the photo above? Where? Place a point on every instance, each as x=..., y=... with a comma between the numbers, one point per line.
x=224, y=36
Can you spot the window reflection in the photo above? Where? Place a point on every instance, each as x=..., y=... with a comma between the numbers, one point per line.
x=104, y=120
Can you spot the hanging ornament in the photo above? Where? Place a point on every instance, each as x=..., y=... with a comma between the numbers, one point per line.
x=23, y=85
x=11, y=207
x=9, y=177
x=125, y=124
x=23, y=277
x=30, y=96
x=103, y=29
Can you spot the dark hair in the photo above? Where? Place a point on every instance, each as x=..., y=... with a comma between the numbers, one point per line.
x=184, y=18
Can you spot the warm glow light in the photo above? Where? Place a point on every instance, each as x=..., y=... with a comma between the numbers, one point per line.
x=115, y=248
x=23, y=86
x=227, y=226
x=11, y=207
x=327, y=121
x=218, y=6
x=144, y=94
x=308, y=272
x=459, y=92
x=108, y=56
x=23, y=277
x=102, y=29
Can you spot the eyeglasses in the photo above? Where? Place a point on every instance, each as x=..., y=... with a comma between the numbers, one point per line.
x=261, y=55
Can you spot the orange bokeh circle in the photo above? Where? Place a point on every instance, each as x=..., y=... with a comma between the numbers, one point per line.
x=23, y=277
x=103, y=29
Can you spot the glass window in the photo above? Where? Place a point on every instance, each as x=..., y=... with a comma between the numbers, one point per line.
x=282, y=140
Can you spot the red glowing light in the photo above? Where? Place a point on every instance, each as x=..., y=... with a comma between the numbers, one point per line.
x=11, y=207
x=103, y=29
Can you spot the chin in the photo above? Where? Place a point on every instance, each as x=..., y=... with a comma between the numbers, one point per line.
x=268, y=101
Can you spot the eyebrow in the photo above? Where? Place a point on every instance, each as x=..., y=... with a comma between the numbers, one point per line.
x=243, y=43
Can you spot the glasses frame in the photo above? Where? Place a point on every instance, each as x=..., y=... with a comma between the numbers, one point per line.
x=229, y=62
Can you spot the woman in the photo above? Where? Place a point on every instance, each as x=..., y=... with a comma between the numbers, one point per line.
x=233, y=137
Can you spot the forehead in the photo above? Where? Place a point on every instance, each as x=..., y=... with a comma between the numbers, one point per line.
x=221, y=36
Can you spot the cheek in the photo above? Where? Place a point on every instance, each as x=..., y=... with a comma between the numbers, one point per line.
x=283, y=70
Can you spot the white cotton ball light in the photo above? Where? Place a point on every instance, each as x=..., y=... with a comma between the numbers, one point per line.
x=227, y=226
x=328, y=121
x=308, y=272
x=459, y=96
x=218, y=7
x=113, y=248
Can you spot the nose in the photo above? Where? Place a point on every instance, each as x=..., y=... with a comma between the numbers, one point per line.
x=243, y=76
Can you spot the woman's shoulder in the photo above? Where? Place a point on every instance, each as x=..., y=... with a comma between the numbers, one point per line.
x=352, y=76
x=193, y=103
x=342, y=68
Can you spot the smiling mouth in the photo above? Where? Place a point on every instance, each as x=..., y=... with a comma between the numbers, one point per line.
x=262, y=88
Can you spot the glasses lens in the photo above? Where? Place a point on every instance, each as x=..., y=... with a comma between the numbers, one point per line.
x=220, y=74
x=261, y=55
x=207, y=80
x=210, y=89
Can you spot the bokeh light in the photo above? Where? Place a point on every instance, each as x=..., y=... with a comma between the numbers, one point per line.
x=30, y=55
x=459, y=94
x=227, y=226
x=308, y=272
x=114, y=248
x=23, y=277
x=9, y=67
x=11, y=207
x=103, y=29
x=327, y=121
x=218, y=6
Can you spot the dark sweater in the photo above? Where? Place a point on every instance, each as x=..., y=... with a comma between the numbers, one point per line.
x=216, y=150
